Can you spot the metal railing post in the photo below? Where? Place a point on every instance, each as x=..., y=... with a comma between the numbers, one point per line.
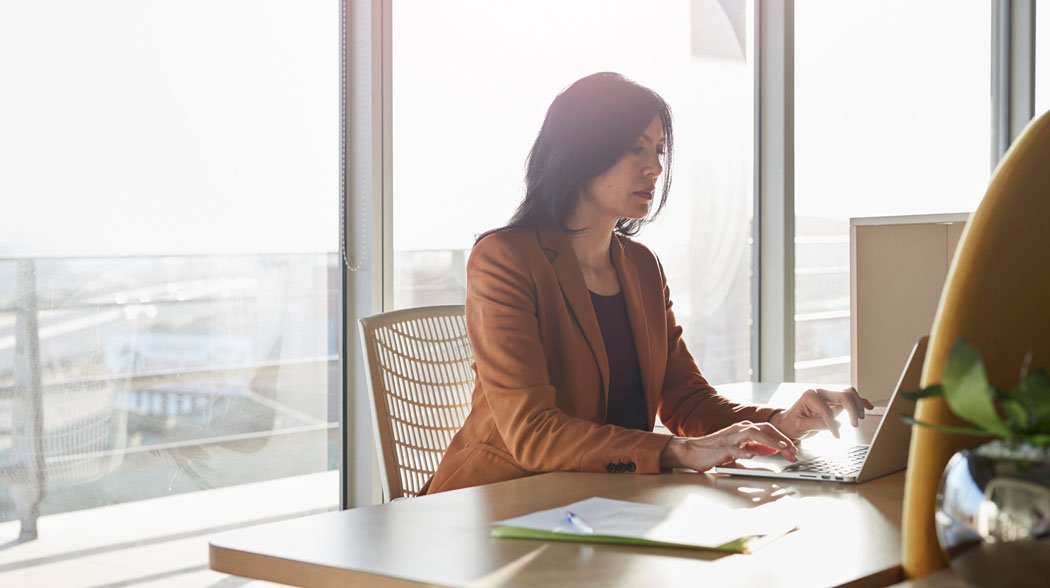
x=27, y=428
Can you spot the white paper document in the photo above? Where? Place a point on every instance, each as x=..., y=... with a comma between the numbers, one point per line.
x=696, y=523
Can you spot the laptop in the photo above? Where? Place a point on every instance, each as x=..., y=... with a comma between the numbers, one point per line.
x=887, y=453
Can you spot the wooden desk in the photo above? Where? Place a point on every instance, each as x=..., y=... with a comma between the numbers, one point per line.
x=848, y=535
x=942, y=579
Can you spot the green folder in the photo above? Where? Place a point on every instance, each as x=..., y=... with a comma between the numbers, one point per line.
x=737, y=546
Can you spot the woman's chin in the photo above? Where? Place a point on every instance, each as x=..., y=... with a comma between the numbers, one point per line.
x=638, y=213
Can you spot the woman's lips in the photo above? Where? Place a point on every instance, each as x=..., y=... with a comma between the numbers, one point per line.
x=644, y=194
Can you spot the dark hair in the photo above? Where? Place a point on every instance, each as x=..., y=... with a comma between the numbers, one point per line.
x=588, y=128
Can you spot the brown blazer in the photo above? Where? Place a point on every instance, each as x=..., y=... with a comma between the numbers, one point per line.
x=542, y=377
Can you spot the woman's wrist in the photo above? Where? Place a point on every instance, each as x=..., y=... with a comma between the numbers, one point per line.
x=775, y=418
x=671, y=457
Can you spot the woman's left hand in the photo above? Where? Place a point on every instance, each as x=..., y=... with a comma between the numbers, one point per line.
x=816, y=410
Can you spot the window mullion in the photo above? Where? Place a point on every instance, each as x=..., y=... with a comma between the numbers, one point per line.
x=1013, y=71
x=774, y=193
x=364, y=52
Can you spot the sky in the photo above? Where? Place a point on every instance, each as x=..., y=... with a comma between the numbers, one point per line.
x=148, y=127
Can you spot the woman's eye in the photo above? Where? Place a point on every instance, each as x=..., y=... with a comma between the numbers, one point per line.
x=661, y=151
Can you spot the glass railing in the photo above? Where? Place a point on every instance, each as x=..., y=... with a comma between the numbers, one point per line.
x=822, y=304
x=130, y=378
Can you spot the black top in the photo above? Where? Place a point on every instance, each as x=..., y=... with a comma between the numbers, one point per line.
x=626, y=395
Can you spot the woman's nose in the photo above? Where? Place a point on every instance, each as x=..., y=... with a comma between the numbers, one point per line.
x=654, y=168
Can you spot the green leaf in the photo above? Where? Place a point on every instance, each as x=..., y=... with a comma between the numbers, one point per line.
x=967, y=391
x=946, y=429
x=1017, y=416
x=927, y=392
x=1039, y=440
x=1034, y=393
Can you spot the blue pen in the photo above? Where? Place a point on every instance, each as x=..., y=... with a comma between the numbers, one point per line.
x=577, y=523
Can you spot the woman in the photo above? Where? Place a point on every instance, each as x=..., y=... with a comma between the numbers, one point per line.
x=576, y=346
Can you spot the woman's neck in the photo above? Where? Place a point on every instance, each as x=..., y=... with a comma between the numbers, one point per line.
x=591, y=246
x=592, y=239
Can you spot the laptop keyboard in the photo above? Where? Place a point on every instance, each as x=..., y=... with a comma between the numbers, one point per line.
x=846, y=464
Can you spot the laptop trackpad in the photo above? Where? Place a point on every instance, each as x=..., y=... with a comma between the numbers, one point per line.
x=773, y=463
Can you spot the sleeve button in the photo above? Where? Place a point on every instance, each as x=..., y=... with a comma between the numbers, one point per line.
x=621, y=467
x=631, y=467
x=611, y=468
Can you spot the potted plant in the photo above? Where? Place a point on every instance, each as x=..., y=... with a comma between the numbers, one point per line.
x=996, y=496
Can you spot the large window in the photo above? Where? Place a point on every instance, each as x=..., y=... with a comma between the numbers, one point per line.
x=892, y=117
x=467, y=106
x=170, y=302
x=1042, y=58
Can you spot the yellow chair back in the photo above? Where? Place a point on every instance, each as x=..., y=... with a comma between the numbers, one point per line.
x=997, y=296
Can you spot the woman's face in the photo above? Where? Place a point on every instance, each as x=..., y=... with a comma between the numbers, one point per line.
x=626, y=189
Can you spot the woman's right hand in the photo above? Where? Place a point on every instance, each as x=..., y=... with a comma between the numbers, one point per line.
x=742, y=440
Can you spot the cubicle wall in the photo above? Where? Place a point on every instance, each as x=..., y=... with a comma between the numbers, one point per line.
x=898, y=269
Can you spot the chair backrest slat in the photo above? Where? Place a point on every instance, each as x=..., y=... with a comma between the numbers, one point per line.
x=420, y=384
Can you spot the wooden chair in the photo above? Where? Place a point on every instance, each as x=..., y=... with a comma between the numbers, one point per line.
x=997, y=296
x=420, y=382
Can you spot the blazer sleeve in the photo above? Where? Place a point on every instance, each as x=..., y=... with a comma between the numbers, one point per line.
x=689, y=406
x=511, y=368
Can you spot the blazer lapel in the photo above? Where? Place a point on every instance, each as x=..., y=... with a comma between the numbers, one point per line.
x=632, y=293
x=574, y=288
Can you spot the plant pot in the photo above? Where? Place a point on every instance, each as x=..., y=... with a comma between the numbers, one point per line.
x=993, y=514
